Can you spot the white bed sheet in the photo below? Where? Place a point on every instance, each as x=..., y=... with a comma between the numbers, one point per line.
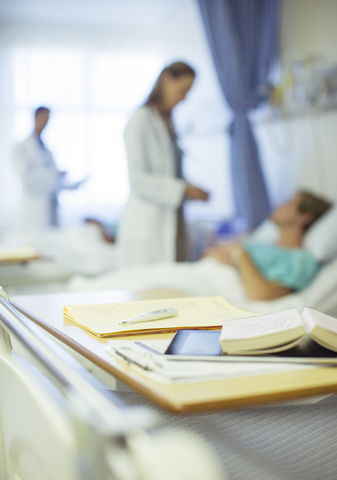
x=209, y=277
x=206, y=277
x=79, y=249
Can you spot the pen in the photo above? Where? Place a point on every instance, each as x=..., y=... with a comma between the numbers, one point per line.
x=132, y=357
x=150, y=316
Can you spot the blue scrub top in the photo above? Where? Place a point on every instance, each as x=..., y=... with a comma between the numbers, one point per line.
x=293, y=268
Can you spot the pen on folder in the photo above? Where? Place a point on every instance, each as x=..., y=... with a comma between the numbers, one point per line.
x=150, y=316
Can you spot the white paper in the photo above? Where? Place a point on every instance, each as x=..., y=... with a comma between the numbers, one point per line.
x=177, y=371
x=159, y=346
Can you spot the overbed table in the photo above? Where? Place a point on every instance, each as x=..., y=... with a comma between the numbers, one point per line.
x=47, y=312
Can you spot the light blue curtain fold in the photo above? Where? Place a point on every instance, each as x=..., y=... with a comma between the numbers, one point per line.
x=242, y=35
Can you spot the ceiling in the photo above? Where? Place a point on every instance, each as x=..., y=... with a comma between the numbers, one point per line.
x=119, y=13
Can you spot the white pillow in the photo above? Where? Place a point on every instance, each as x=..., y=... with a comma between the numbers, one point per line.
x=266, y=232
x=321, y=238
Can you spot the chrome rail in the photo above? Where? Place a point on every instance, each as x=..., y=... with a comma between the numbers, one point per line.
x=101, y=420
x=66, y=372
x=97, y=413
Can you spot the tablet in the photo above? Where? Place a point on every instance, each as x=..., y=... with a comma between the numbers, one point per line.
x=195, y=342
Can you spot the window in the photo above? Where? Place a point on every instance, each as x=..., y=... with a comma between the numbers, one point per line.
x=91, y=94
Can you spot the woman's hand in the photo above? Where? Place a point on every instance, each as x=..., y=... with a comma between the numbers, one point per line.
x=195, y=193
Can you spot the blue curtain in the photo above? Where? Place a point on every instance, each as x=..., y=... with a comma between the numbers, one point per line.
x=243, y=35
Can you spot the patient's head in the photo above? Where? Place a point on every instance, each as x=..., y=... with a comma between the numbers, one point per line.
x=302, y=210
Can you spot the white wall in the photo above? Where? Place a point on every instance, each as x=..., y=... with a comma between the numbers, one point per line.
x=301, y=151
x=203, y=117
x=309, y=26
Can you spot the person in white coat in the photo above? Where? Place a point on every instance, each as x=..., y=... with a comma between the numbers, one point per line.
x=41, y=180
x=152, y=228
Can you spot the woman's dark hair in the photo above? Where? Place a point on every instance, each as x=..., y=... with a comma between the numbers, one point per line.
x=176, y=70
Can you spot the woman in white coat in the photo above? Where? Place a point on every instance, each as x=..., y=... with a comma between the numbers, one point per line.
x=152, y=228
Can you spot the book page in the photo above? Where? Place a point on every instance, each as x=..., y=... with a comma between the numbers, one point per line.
x=312, y=317
x=262, y=325
x=195, y=312
x=307, y=320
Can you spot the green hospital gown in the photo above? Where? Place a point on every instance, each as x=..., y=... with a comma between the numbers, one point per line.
x=293, y=268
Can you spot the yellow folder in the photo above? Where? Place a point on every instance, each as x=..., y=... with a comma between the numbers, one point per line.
x=193, y=313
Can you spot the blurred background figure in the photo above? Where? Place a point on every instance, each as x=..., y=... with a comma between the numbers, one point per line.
x=152, y=229
x=41, y=179
x=94, y=66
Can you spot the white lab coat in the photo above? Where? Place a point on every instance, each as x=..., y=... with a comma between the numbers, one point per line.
x=40, y=181
x=148, y=230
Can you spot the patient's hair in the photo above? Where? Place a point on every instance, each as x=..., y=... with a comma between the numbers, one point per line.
x=177, y=70
x=40, y=110
x=310, y=203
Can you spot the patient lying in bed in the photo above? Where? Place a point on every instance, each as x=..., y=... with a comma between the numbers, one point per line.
x=256, y=269
x=270, y=271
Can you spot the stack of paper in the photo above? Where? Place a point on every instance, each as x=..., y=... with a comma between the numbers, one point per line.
x=207, y=313
x=172, y=370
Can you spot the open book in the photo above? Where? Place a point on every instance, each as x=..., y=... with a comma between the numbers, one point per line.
x=277, y=332
x=205, y=313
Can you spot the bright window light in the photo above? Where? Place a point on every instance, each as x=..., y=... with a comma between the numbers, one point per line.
x=49, y=76
x=122, y=81
x=91, y=95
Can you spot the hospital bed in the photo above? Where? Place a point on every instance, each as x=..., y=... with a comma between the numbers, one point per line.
x=64, y=251
x=208, y=277
x=79, y=249
x=59, y=422
x=56, y=423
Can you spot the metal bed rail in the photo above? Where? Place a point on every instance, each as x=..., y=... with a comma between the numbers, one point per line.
x=99, y=416
x=103, y=422
x=67, y=373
